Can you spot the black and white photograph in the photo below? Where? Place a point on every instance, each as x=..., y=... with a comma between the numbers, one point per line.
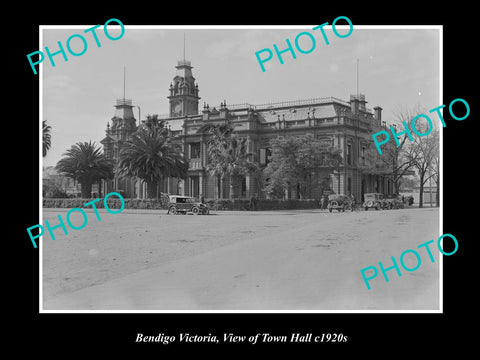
x=246, y=169
x=205, y=178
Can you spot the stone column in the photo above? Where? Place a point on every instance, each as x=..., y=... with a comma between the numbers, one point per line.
x=201, y=185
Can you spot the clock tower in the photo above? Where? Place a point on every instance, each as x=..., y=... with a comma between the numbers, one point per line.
x=183, y=91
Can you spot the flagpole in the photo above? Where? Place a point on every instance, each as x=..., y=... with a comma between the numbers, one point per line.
x=357, y=76
x=124, y=83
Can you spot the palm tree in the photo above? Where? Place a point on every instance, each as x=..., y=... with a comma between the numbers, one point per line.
x=85, y=163
x=150, y=156
x=46, y=137
x=152, y=122
x=229, y=157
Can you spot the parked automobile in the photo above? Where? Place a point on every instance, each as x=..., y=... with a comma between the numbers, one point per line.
x=385, y=203
x=395, y=201
x=339, y=202
x=372, y=200
x=186, y=204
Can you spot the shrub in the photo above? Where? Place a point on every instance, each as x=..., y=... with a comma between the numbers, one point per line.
x=220, y=204
x=113, y=203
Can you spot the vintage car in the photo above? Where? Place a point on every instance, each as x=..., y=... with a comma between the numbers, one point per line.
x=394, y=201
x=373, y=200
x=339, y=202
x=186, y=204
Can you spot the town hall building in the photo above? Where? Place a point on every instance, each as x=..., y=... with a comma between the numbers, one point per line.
x=345, y=125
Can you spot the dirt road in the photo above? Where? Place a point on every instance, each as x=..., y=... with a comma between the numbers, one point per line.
x=284, y=260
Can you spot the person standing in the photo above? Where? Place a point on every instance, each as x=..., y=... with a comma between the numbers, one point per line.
x=253, y=203
x=322, y=200
x=325, y=202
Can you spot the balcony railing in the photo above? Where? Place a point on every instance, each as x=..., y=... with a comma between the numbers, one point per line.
x=315, y=101
x=124, y=102
x=195, y=164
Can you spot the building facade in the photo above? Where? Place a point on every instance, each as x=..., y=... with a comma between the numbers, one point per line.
x=346, y=125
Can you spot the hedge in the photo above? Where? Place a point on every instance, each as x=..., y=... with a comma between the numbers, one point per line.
x=263, y=204
x=221, y=204
x=113, y=203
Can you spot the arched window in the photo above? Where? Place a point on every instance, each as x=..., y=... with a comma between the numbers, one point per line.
x=244, y=187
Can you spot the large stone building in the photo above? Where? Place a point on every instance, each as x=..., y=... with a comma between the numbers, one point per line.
x=346, y=125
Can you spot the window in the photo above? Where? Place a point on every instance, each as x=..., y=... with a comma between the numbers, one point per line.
x=195, y=150
x=265, y=156
x=325, y=141
x=349, y=154
x=349, y=186
x=244, y=187
x=363, y=155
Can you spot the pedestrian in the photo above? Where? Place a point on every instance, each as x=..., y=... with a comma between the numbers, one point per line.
x=352, y=202
x=253, y=203
x=325, y=202
x=322, y=201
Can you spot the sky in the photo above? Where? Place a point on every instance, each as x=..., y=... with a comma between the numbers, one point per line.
x=398, y=69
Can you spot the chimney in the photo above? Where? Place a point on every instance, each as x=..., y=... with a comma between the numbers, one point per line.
x=206, y=112
x=378, y=113
x=354, y=104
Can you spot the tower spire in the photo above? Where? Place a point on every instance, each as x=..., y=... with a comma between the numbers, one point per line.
x=184, y=46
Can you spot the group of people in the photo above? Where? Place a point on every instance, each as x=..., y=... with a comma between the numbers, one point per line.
x=407, y=200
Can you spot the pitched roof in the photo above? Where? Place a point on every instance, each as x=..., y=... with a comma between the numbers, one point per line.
x=109, y=138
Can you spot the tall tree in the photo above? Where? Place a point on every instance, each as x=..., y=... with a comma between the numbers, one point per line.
x=423, y=153
x=229, y=157
x=153, y=122
x=85, y=163
x=47, y=137
x=397, y=158
x=150, y=156
x=295, y=160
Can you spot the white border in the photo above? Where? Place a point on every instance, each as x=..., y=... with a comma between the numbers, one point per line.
x=245, y=27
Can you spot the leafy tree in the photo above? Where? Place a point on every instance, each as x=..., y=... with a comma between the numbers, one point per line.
x=51, y=190
x=229, y=157
x=85, y=163
x=150, y=156
x=294, y=161
x=47, y=137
